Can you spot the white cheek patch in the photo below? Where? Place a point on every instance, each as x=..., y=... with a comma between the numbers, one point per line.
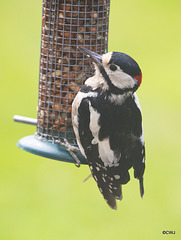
x=121, y=79
x=118, y=78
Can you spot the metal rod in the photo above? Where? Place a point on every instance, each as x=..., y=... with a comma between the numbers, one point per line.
x=26, y=120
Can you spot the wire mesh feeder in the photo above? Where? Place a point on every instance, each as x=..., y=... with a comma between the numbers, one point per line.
x=66, y=24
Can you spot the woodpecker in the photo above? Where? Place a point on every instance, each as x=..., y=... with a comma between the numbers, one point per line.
x=107, y=121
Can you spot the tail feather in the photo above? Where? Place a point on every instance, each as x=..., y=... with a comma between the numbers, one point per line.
x=117, y=192
x=141, y=187
x=109, y=198
x=108, y=184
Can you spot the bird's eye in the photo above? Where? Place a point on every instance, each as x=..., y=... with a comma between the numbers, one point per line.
x=113, y=67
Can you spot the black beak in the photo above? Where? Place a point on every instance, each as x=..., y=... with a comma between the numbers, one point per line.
x=94, y=56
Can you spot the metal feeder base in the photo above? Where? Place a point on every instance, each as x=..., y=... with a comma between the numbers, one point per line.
x=47, y=149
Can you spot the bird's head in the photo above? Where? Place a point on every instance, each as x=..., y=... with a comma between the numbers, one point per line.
x=120, y=71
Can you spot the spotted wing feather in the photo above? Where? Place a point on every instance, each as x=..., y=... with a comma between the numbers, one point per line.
x=110, y=151
x=107, y=178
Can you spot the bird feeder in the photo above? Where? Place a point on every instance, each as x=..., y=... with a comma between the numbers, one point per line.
x=66, y=24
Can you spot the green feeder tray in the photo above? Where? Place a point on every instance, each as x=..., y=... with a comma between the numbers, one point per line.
x=45, y=148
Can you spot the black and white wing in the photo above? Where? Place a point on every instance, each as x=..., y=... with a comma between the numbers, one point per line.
x=103, y=164
x=112, y=141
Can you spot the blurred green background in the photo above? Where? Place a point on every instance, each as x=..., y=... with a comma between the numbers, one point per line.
x=43, y=199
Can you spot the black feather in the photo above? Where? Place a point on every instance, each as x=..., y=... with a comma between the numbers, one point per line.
x=141, y=187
